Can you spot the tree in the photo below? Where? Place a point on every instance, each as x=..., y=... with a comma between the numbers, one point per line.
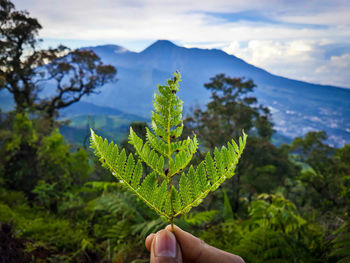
x=25, y=70
x=28, y=157
x=232, y=109
x=326, y=172
x=229, y=112
x=41, y=82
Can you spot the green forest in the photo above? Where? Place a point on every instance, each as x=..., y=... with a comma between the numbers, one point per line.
x=287, y=203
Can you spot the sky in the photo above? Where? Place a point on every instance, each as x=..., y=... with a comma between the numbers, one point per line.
x=307, y=40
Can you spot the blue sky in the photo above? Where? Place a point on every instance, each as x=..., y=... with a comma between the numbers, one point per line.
x=305, y=40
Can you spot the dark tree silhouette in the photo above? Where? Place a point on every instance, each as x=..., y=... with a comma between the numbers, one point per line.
x=230, y=111
x=25, y=69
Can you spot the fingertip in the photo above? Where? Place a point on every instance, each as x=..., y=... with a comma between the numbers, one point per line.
x=191, y=246
x=149, y=240
x=169, y=228
x=164, y=248
x=196, y=250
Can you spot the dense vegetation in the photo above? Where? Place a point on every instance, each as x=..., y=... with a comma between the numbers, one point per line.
x=285, y=204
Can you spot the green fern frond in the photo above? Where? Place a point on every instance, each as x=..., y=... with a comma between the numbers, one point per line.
x=147, y=154
x=117, y=164
x=341, y=243
x=264, y=245
x=168, y=157
x=199, y=218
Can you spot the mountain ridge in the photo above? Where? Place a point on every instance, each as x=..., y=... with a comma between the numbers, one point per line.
x=297, y=106
x=308, y=106
x=168, y=44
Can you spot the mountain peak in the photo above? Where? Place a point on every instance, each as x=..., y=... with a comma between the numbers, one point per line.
x=161, y=45
x=164, y=43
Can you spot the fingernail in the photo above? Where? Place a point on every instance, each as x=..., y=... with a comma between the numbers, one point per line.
x=165, y=244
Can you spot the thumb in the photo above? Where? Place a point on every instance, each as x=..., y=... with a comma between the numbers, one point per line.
x=165, y=249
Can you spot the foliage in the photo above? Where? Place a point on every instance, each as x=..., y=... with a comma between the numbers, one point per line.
x=229, y=111
x=51, y=233
x=263, y=245
x=326, y=172
x=167, y=125
x=57, y=204
x=24, y=69
x=263, y=167
x=199, y=218
x=276, y=213
x=122, y=220
x=41, y=166
x=341, y=244
x=274, y=232
x=68, y=216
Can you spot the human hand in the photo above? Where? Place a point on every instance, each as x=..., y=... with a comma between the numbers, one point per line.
x=182, y=247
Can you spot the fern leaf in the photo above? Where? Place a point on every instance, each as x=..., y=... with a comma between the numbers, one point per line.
x=235, y=146
x=160, y=120
x=158, y=145
x=202, y=177
x=185, y=191
x=211, y=169
x=183, y=145
x=159, y=131
x=177, y=132
x=163, y=150
x=341, y=243
x=194, y=183
x=148, y=185
x=218, y=161
x=120, y=161
x=176, y=200
x=221, y=176
x=167, y=205
x=160, y=195
x=197, y=219
x=137, y=175
x=129, y=168
x=184, y=156
x=150, y=157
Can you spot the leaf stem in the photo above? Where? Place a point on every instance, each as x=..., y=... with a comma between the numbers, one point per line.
x=169, y=164
x=171, y=204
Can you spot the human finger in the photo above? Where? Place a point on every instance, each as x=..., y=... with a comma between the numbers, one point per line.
x=197, y=251
x=149, y=240
x=164, y=248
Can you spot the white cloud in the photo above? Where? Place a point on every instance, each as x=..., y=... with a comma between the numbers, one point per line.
x=292, y=50
x=341, y=62
x=177, y=20
x=270, y=52
x=299, y=59
x=332, y=17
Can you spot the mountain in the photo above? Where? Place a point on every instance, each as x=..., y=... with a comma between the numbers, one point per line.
x=297, y=106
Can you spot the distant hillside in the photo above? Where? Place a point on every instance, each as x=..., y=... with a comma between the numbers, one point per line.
x=107, y=122
x=297, y=107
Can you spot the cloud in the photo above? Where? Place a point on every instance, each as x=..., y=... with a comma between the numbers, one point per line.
x=299, y=59
x=286, y=38
x=179, y=20
x=340, y=62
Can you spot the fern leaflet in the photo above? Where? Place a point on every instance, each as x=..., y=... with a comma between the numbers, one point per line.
x=168, y=157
